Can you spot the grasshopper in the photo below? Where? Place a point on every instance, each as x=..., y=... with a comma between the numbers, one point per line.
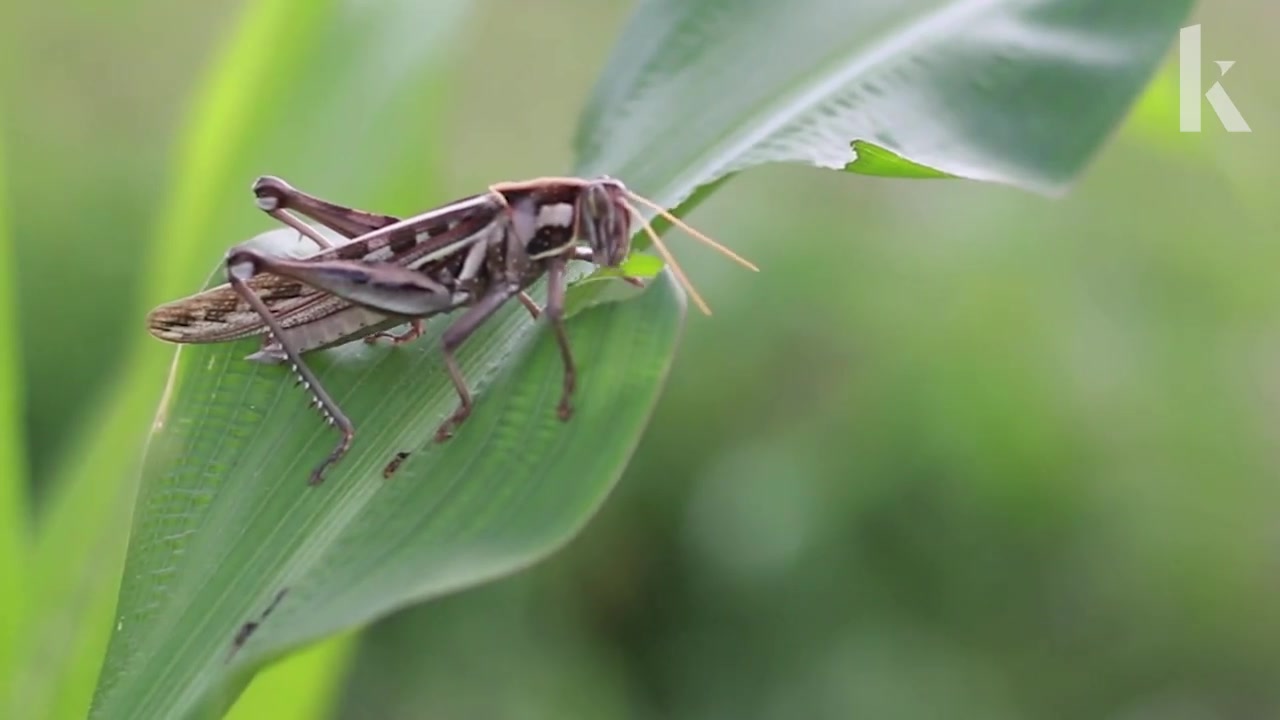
x=473, y=255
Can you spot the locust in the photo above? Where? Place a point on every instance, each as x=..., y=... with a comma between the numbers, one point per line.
x=472, y=255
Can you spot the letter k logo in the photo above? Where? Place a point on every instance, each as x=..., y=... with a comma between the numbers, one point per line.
x=1189, y=84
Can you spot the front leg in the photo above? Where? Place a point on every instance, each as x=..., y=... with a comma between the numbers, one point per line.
x=453, y=337
x=475, y=316
x=529, y=304
x=556, y=282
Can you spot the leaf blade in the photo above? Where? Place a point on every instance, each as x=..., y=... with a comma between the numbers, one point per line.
x=246, y=541
x=14, y=504
x=1021, y=93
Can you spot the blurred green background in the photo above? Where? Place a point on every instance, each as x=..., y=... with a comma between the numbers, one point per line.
x=958, y=451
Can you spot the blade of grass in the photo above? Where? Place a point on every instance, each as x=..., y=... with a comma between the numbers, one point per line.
x=366, y=76
x=1018, y=93
x=82, y=537
x=13, y=477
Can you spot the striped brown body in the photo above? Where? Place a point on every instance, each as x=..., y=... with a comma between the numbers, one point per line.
x=472, y=255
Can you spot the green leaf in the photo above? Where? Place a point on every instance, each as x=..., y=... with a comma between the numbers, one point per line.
x=1020, y=92
x=228, y=520
x=640, y=265
x=606, y=284
x=874, y=160
x=14, y=539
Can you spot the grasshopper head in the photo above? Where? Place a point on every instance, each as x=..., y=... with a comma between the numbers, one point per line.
x=604, y=221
